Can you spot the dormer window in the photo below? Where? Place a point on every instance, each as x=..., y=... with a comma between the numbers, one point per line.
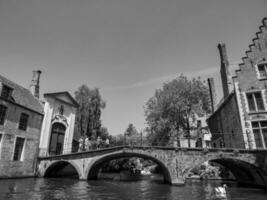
x=262, y=70
x=6, y=92
x=3, y=110
x=255, y=102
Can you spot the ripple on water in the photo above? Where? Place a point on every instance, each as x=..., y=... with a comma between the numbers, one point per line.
x=49, y=189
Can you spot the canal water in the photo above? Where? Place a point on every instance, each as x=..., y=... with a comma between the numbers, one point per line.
x=59, y=188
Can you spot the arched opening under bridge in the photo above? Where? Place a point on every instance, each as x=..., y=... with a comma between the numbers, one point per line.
x=95, y=168
x=244, y=173
x=62, y=169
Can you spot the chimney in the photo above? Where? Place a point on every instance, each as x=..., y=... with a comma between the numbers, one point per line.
x=225, y=74
x=34, y=86
x=212, y=94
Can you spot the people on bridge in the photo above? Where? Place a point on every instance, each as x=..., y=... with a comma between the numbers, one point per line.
x=107, y=142
x=81, y=144
x=88, y=144
x=98, y=142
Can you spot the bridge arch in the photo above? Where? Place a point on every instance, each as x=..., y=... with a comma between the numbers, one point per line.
x=244, y=172
x=56, y=167
x=93, y=168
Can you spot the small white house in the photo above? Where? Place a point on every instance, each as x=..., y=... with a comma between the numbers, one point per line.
x=58, y=124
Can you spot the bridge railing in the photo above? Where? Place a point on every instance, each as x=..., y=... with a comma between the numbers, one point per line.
x=94, y=152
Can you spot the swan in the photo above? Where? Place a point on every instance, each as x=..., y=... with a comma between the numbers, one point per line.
x=220, y=191
x=145, y=172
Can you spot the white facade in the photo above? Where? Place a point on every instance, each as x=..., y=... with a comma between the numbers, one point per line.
x=60, y=110
x=184, y=143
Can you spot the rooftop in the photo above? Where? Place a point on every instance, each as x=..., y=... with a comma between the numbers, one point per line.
x=22, y=96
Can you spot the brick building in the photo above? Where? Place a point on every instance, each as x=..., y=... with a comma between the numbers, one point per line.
x=240, y=120
x=21, y=116
x=30, y=127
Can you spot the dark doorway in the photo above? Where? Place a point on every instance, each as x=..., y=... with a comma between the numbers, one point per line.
x=57, y=139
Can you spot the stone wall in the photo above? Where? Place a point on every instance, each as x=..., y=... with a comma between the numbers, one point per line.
x=226, y=121
x=9, y=131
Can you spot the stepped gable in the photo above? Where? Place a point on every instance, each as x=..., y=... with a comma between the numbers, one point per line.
x=22, y=96
x=257, y=50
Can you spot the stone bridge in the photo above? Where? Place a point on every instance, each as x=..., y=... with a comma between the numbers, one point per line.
x=248, y=166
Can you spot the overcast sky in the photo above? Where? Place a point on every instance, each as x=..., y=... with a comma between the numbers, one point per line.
x=126, y=48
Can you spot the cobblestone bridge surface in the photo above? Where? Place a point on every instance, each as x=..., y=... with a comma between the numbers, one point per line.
x=248, y=166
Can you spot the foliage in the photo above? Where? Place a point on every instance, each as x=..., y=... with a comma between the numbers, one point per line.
x=130, y=131
x=132, y=136
x=120, y=164
x=117, y=140
x=173, y=108
x=206, y=171
x=103, y=133
x=89, y=112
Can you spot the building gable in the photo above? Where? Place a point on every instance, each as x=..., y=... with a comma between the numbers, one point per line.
x=63, y=97
x=257, y=54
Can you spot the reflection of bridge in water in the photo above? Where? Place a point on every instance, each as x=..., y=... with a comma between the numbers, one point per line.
x=248, y=166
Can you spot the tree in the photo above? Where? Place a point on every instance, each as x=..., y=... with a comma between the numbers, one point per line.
x=103, y=133
x=173, y=106
x=130, y=131
x=117, y=140
x=89, y=112
x=131, y=135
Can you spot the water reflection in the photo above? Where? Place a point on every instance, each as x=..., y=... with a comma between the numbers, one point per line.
x=58, y=188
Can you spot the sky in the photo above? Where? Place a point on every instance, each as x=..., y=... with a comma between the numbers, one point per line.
x=126, y=48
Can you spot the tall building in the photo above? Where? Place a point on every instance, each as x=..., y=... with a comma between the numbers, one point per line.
x=240, y=120
x=21, y=116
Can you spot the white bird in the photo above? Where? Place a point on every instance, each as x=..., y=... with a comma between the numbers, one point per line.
x=145, y=172
x=220, y=192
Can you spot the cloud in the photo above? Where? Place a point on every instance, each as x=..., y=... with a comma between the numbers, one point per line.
x=204, y=73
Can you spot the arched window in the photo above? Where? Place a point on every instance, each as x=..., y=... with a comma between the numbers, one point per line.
x=57, y=139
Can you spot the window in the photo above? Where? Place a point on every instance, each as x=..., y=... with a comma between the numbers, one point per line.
x=255, y=101
x=57, y=139
x=262, y=70
x=23, y=121
x=6, y=92
x=1, y=136
x=18, y=148
x=3, y=110
x=260, y=133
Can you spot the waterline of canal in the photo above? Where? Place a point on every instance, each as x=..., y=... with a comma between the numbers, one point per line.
x=61, y=188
